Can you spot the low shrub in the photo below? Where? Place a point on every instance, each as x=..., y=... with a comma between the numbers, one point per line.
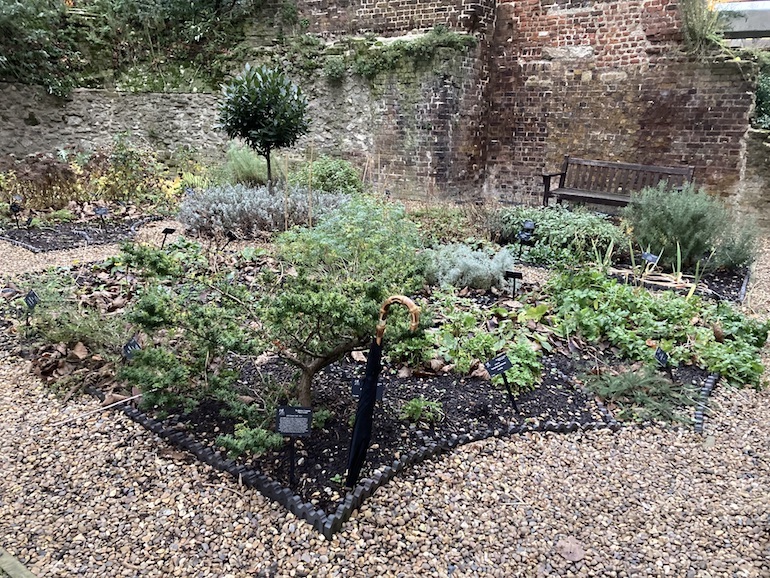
x=328, y=175
x=43, y=181
x=441, y=224
x=248, y=212
x=762, y=109
x=335, y=69
x=250, y=440
x=690, y=227
x=561, y=236
x=462, y=266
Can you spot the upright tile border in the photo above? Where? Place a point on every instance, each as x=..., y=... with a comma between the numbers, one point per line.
x=702, y=403
x=330, y=524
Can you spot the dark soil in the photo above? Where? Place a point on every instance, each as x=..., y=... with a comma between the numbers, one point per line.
x=469, y=405
x=72, y=235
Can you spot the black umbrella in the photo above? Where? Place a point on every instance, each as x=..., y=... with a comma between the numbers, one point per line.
x=362, y=429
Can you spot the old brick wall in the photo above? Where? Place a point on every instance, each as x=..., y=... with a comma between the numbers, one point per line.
x=395, y=17
x=601, y=79
x=608, y=80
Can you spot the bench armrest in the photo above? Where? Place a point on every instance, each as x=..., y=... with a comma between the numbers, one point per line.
x=547, y=185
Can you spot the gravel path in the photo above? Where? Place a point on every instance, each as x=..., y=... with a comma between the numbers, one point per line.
x=102, y=497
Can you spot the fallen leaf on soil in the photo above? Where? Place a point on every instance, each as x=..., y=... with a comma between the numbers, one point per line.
x=359, y=356
x=436, y=364
x=79, y=352
x=405, y=372
x=113, y=398
x=570, y=549
x=481, y=373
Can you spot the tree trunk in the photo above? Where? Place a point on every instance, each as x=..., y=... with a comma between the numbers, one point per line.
x=304, y=392
x=269, y=174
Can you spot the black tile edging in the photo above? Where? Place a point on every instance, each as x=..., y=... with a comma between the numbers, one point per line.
x=330, y=524
x=702, y=403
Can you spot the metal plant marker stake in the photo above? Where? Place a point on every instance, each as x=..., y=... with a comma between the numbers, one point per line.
x=498, y=366
x=293, y=421
x=166, y=232
x=362, y=429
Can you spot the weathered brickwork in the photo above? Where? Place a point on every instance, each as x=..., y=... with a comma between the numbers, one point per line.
x=395, y=17
x=607, y=80
x=601, y=79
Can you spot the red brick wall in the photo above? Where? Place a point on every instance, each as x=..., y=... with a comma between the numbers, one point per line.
x=607, y=80
x=394, y=17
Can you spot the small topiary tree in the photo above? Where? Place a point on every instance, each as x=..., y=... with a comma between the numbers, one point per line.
x=264, y=108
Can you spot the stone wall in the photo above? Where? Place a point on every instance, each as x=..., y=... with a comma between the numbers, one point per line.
x=33, y=121
x=601, y=79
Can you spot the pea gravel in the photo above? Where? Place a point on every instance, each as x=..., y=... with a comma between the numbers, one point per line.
x=102, y=497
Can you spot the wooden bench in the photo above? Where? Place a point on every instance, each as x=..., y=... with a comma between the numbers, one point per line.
x=608, y=183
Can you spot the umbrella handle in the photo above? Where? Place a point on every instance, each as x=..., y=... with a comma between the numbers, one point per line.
x=414, y=314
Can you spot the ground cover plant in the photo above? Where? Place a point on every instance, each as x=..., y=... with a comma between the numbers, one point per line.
x=228, y=336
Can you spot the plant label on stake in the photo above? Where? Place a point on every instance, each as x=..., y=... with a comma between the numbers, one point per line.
x=358, y=383
x=661, y=357
x=293, y=422
x=498, y=366
x=513, y=275
x=101, y=212
x=130, y=348
x=651, y=258
x=31, y=299
x=166, y=232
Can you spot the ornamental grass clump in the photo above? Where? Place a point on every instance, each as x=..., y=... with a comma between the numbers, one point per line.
x=250, y=212
x=691, y=229
x=328, y=175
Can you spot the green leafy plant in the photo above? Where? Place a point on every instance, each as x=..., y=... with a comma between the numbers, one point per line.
x=371, y=60
x=421, y=410
x=254, y=441
x=335, y=68
x=594, y=308
x=321, y=416
x=644, y=395
x=562, y=237
x=689, y=226
x=762, y=109
x=265, y=109
x=36, y=45
x=526, y=371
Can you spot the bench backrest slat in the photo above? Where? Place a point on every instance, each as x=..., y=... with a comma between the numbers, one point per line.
x=622, y=178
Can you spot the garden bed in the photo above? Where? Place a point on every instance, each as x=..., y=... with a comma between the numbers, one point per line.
x=469, y=406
